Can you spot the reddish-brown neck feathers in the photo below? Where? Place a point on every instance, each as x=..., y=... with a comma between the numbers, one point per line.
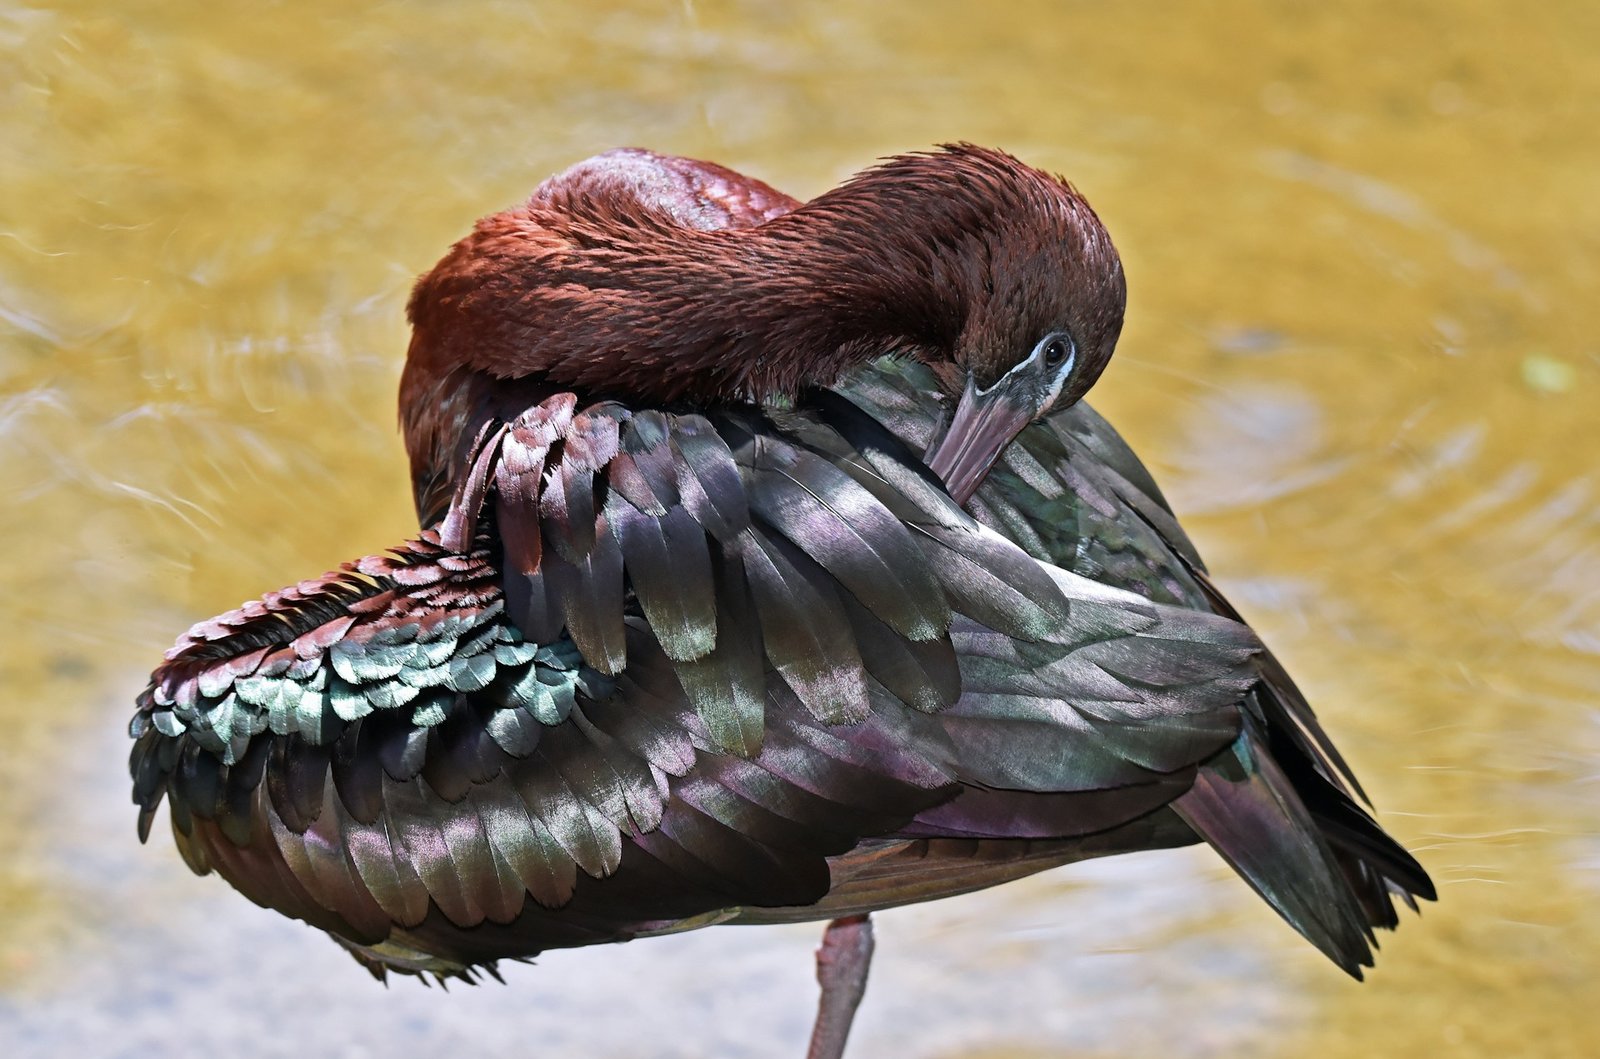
x=662, y=280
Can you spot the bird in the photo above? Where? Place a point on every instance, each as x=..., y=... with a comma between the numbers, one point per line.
x=771, y=568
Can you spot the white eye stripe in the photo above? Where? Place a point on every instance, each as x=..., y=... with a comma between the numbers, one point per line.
x=1036, y=358
x=1061, y=376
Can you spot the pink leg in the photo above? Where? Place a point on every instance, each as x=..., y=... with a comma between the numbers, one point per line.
x=842, y=962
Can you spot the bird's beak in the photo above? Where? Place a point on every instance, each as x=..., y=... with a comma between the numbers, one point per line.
x=984, y=423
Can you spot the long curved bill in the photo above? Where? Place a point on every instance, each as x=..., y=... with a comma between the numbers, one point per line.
x=984, y=423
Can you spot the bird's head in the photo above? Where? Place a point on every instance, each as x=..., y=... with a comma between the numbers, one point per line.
x=1043, y=300
x=996, y=275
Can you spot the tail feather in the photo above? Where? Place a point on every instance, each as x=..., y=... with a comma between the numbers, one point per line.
x=1303, y=844
x=1324, y=832
x=1247, y=808
x=1377, y=868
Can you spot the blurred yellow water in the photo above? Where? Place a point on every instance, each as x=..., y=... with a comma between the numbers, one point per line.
x=1363, y=245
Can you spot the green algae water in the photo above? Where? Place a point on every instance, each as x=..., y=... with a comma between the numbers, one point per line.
x=1361, y=355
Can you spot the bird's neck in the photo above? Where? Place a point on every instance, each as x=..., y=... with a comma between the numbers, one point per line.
x=617, y=299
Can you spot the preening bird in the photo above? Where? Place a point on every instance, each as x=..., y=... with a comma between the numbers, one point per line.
x=772, y=571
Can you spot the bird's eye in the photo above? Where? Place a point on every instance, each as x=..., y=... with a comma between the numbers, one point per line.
x=1055, y=353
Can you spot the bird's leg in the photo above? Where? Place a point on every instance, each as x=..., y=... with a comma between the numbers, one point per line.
x=842, y=962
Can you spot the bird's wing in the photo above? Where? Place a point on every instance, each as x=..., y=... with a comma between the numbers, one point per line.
x=690, y=656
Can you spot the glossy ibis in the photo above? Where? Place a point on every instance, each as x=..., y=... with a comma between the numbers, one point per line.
x=773, y=572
